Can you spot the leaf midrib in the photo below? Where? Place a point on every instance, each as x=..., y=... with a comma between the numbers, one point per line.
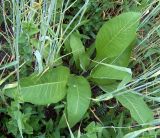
x=120, y=31
x=41, y=84
x=77, y=104
x=141, y=118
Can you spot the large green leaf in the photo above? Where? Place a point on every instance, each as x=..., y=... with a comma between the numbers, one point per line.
x=133, y=102
x=107, y=74
x=78, y=99
x=123, y=59
x=80, y=57
x=48, y=88
x=116, y=35
x=137, y=107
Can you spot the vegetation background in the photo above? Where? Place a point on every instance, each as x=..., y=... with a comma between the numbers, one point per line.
x=44, y=42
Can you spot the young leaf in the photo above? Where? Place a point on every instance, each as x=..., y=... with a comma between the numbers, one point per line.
x=78, y=99
x=90, y=50
x=84, y=61
x=46, y=89
x=116, y=35
x=137, y=107
x=30, y=28
x=81, y=59
x=76, y=46
x=92, y=129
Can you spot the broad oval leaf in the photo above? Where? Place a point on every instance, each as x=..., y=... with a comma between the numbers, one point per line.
x=137, y=107
x=107, y=74
x=48, y=88
x=78, y=99
x=123, y=59
x=116, y=35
